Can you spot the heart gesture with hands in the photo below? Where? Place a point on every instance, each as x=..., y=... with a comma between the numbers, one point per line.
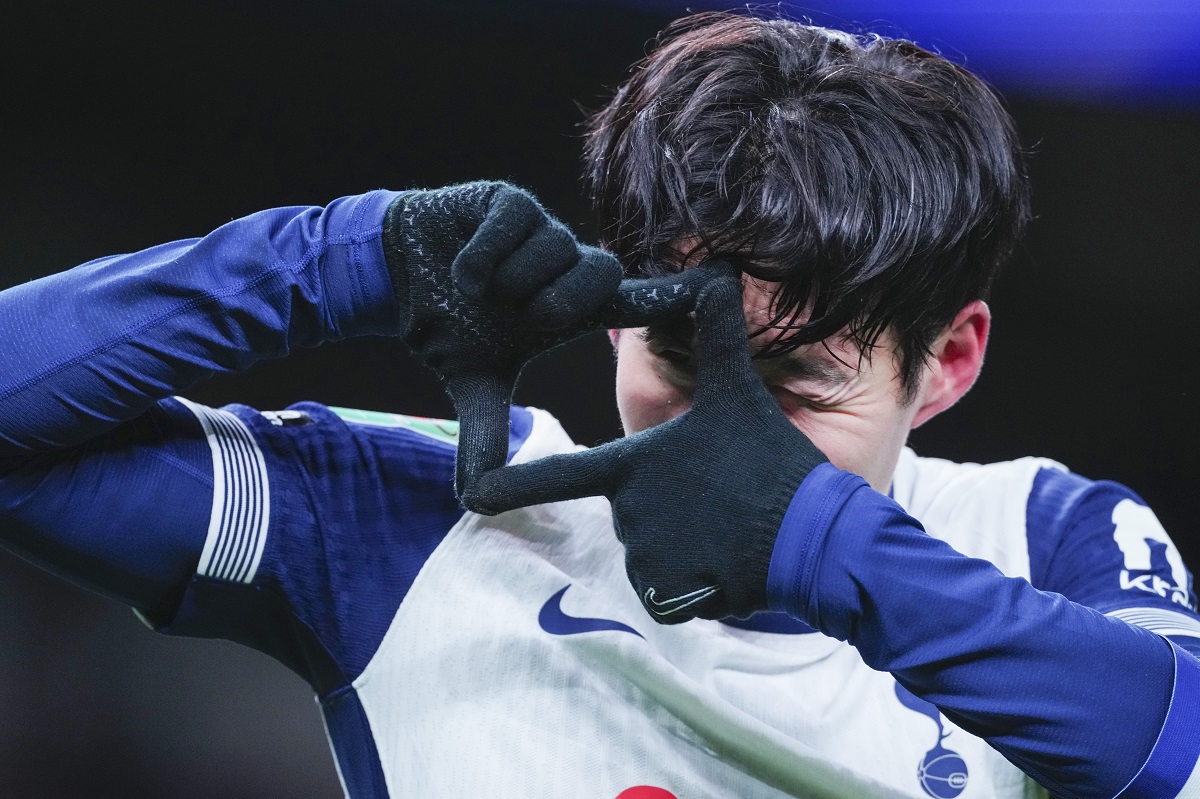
x=485, y=280
x=697, y=501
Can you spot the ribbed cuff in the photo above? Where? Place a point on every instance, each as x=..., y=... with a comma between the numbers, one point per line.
x=357, y=289
x=1173, y=768
x=810, y=516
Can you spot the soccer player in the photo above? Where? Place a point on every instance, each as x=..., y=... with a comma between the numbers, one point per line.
x=812, y=223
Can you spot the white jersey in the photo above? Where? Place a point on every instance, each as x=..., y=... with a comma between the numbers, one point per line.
x=470, y=696
x=516, y=662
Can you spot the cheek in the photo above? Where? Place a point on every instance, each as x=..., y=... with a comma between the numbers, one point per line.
x=867, y=445
x=644, y=399
x=841, y=443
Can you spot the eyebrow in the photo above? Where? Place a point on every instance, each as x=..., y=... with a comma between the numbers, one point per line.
x=679, y=334
x=799, y=365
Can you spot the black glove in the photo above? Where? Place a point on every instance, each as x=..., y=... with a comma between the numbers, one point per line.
x=697, y=501
x=485, y=280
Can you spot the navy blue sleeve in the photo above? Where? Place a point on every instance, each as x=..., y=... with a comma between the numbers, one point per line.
x=90, y=348
x=296, y=532
x=1098, y=544
x=1089, y=706
x=123, y=515
x=102, y=478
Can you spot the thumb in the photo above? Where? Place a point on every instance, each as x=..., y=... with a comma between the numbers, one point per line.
x=482, y=402
x=641, y=302
x=556, y=478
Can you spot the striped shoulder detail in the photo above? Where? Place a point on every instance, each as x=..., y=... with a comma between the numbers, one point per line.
x=241, y=509
x=1158, y=620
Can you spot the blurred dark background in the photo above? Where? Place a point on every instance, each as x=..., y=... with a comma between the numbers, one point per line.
x=127, y=125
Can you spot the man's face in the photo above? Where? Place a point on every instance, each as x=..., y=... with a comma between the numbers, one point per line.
x=853, y=409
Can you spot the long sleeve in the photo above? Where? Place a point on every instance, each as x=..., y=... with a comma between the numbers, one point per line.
x=1088, y=705
x=105, y=480
x=98, y=345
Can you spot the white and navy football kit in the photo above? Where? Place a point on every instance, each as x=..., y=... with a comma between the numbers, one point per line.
x=458, y=655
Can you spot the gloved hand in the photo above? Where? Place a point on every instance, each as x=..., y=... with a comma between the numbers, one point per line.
x=697, y=501
x=485, y=280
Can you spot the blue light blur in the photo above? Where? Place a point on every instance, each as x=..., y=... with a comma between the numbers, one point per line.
x=1126, y=51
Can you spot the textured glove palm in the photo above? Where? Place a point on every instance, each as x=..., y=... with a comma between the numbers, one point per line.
x=485, y=280
x=697, y=501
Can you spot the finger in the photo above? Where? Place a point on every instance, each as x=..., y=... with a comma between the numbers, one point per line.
x=723, y=362
x=590, y=473
x=511, y=217
x=548, y=253
x=640, y=302
x=579, y=293
x=483, y=403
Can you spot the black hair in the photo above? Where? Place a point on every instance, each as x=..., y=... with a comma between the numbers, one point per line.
x=880, y=185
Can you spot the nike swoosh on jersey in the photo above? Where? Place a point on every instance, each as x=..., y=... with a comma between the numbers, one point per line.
x=674, y=604
x=553, y=620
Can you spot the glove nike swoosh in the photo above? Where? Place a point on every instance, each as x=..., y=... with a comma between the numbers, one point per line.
x=669, y=606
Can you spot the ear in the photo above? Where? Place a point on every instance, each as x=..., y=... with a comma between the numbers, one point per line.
x=614, y=333
x=954, y=362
